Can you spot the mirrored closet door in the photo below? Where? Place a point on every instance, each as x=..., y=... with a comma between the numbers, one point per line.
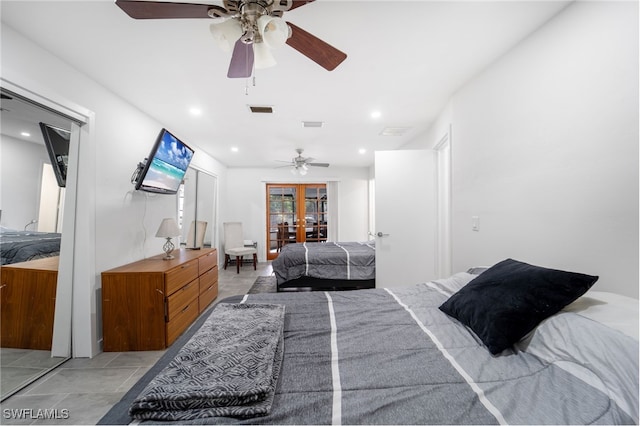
x=34, y=144
x=196, y=209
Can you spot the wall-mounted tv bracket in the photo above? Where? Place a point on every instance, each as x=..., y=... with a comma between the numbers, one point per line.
x=136, y=173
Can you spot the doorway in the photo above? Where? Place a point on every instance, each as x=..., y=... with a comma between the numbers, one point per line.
x=295, y=213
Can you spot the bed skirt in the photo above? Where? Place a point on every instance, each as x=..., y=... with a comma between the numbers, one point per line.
x=323, y=284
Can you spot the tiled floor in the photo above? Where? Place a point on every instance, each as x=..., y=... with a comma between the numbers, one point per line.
x=82, y=390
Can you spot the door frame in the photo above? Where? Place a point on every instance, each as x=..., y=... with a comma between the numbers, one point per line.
x=443, y=215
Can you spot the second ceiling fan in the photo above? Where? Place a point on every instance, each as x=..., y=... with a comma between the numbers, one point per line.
x=252, y=27
x=300, y=165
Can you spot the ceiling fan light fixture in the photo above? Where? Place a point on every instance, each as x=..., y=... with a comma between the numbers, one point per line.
x=226, y=33
x=262, y=56
x=274, y=31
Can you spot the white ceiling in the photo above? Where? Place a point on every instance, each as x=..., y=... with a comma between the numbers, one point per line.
x=405, y=59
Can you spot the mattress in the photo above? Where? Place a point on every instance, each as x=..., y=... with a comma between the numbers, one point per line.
x=390, y=356
x=21, y=246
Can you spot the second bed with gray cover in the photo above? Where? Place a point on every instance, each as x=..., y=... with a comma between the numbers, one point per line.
x=390, y=356
x=341, y=263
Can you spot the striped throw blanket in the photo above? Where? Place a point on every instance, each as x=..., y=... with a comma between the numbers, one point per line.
x=230, y=367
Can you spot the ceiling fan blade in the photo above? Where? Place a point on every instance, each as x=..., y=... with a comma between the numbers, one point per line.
x=315, y=49
x=241, y=65
x=298, y=3
x=164, y=10
x=318, y=164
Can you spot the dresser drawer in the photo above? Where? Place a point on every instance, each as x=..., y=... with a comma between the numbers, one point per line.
x=179, y=276
x=207, y=296
x=208, y=261
x=181, y=321
x=208, y=278
x=181, y=298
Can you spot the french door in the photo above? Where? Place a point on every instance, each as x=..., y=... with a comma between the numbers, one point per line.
x=295, y=213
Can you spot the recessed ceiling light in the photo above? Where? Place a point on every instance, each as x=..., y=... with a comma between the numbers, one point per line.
x=234, y=149
x=25, y=134
x=362, y=151
x=195, y=111
x=376, y=114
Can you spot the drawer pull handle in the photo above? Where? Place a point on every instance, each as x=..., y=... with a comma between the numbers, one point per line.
x=185, y=308
x=159, y=291
x=3, y=285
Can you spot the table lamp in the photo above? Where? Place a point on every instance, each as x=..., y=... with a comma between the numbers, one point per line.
x=168, y=228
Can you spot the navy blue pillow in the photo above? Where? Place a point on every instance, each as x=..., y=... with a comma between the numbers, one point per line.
x=511, y=298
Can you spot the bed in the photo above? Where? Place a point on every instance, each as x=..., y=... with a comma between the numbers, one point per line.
x=326, y=266
x=21, y=246
x=393, y=356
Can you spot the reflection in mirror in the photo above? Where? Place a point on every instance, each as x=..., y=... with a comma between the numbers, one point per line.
x=30, y=226
x=197, y=207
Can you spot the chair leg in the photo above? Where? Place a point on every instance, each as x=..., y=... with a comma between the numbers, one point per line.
x=226, y=260
x=238, y=260
x=255, y=261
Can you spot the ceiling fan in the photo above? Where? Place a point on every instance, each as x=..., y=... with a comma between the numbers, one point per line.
x=300, y=164
x=252, y=27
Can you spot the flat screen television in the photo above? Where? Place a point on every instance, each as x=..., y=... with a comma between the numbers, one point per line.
x=57, y=142
x=164, y=169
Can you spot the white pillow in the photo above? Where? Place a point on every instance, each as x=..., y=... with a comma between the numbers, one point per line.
x=613, y=310
x=452, y=284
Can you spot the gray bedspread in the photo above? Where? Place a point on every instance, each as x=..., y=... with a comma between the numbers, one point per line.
x=338, y=261
x=229, y=368
x=392, y=357
x=21, y=246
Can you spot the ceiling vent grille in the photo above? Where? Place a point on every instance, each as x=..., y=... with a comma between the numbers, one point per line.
x=312, y=123
x=261, y=109
x=394, y=131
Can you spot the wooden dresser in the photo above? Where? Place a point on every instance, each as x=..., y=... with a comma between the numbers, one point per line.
x=147, y=304
x=27, y=303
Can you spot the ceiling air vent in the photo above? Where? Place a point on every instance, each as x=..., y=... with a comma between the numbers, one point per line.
x=394, y=131
x=261, y=109
x=312, y=123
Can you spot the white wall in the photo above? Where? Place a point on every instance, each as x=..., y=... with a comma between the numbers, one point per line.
x=545, y=150
x=114, y=224
x=246, y=201
x=20, y=180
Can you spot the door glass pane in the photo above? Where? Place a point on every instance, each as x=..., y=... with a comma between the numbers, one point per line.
x=315, y=213
x=282, y=208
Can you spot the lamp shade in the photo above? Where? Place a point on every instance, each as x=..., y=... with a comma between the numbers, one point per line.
x=263, y=56
x=274, y=31
x=226, y=33
x=168, y=228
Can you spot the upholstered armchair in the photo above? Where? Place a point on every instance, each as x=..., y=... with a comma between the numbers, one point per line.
x=234, y=245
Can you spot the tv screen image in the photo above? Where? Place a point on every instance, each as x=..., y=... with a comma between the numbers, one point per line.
x=166, y=165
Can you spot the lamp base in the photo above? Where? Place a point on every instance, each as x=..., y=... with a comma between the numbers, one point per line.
x=168, y=248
